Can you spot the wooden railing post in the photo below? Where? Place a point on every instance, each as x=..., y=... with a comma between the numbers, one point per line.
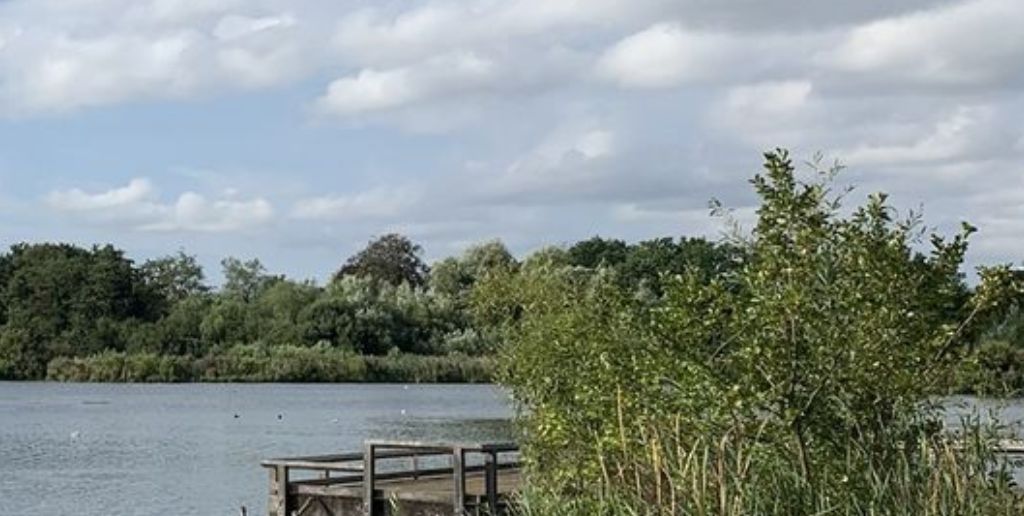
x=459, y=477
x=369, y=472
x=277, y=505
x=491, y=480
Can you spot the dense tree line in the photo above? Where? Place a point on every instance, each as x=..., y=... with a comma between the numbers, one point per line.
x=69, y=312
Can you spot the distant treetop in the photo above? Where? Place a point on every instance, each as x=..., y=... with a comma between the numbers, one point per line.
x=392, y=259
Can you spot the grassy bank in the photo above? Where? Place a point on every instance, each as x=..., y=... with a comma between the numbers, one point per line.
x=271, y=364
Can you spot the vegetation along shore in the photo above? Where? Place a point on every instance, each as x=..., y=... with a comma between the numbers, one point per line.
x=798, y=380
x=92, y=314
x=789, y=369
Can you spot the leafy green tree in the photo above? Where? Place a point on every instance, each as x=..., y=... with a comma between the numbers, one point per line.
x=597, y=252
x=278, y=309
x=175, y=277
x=354, y=318
x=23, y=354
x=487, y=257
x=180, y=332
x=66, y=300
x=449, y=277
x=392, y=259
x=821, y=351
x=455, y=277
x=373, y=318
x=648, y=263
x=549, y=256
x=246, y=280
x=230, y=320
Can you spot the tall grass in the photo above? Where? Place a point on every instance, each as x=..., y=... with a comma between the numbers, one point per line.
x=742, y=475
x=254, y=363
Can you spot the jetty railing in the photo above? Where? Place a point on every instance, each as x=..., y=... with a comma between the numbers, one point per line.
x=386, y=463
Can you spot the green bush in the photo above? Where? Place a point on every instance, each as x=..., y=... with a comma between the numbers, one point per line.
x=808, y=366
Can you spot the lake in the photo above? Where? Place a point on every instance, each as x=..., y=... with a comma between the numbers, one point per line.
x=194, y=449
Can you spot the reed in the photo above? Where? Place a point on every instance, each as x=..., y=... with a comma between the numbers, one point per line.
x=739, y=474
x=254, y=363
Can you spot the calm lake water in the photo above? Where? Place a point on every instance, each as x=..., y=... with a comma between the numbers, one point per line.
x=180, y=450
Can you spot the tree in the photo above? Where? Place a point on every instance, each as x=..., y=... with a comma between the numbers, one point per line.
x=278, y=309
x=649, y=263
x=391, y=259
x=450, y=278
x=454, y=277
x=174, y=277
x=65, y=300
x=487, y=257
x=598, y=251
x=819, y=353
x=246, y=280
x=549, y=256
x=180, y=331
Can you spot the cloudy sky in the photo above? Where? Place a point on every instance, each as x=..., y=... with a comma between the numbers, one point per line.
x=294, y=130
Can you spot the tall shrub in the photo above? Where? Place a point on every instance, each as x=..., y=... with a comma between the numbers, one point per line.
x=816, y=356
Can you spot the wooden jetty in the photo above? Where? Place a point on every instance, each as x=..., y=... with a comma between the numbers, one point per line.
x=397, y=477
x=414, y=479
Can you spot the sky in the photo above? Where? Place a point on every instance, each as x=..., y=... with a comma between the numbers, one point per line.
x=297, y=130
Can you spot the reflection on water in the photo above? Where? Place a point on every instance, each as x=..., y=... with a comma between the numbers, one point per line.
x=184, y=450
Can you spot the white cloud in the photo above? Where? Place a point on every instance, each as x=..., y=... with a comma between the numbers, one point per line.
x=62, y=56
x=371, y=204
x=235, y=26
x=137, y=191
x=75, y=73
x=193, y=212
x=952, y=137
x=389, y=33
x=372, y=36
x=165, y=12
x=768, y=114
x=665, y=55
x=137, y=206
x=976, y=42
x=567, y=158
x=374, y=90
x=438, y=92
x=769, y=98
